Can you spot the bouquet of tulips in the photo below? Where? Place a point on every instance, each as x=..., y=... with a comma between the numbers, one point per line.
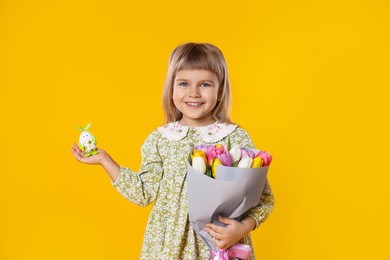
x=231, y=180
x=205, y=158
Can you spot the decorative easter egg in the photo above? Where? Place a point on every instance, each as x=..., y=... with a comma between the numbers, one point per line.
x=87, y=141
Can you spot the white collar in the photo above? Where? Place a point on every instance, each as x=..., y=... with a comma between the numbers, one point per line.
x=210, y=133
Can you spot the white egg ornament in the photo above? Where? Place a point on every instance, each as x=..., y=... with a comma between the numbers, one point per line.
x=87, y=142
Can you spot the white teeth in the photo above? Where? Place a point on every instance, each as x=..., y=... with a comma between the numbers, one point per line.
x=194, y=104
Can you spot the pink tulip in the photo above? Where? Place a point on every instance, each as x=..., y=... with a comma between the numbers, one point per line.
x=211, y=156
x=266, y=157
x=204, y=148
x=260, y=153
x=225, y=158
x=247, y=152
x=225, y=147
x=244, y=153
x=219, y=149
x=251, y=154
x=269, y=159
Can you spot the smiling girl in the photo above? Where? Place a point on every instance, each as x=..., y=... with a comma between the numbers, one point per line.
x=196, y=100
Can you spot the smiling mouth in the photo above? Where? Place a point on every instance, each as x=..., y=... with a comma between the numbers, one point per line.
x=194, y=104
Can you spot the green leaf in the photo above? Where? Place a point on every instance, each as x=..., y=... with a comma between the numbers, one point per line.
x=190, y=159
x=208, y=172
x=229, y=144
x=94, y=140
x=87, y=127
x=80, y=128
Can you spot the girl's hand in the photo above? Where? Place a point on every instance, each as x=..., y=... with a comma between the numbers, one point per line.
x=102, y=158
x=94, y=159
x=225, y=237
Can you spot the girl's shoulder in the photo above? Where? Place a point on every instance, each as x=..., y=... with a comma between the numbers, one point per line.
x=212, y=133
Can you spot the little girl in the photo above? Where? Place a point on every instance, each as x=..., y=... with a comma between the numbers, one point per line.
x=196, y=99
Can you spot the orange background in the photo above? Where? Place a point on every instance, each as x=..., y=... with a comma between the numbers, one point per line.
x=310, y=84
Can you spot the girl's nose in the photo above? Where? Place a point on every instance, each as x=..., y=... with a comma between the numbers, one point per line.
x=194, y=91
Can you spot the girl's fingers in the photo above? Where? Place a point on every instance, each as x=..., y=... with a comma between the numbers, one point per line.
x=220, y=244
x=77, y=148
x=227, y=221
x=215, y=228
x=213, y=233
x=78, y=153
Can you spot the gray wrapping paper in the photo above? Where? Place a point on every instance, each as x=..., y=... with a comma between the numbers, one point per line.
x=231, y=194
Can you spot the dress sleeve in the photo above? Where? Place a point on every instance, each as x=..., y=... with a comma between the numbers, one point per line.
x=260, y=212
x=142, y=188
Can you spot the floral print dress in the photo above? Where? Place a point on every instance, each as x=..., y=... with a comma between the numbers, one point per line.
x=162, y=180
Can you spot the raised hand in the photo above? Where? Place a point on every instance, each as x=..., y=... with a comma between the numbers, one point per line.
x=80, y=155
x=101, y=158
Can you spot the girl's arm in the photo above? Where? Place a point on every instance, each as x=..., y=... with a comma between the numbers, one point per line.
x=140, y=187
x=101, y=158
x=262, y=211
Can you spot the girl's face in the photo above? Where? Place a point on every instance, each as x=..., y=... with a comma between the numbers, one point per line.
x=195, y=94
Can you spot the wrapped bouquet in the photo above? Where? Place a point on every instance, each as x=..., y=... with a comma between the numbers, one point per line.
x=227, y=181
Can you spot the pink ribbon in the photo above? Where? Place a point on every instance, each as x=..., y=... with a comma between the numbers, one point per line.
x=238, y=250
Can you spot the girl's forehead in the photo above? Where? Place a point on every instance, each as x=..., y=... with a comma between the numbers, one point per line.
x=195, y=73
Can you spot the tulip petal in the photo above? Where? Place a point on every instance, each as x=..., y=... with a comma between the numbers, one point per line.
x=235, y=153
x=214, y=168
x=199, y=164
x=257, y=162
x=246, y=162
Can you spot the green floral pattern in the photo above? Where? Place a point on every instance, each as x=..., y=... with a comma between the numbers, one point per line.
x=162, y=180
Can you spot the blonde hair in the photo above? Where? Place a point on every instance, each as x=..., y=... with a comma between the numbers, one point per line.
x=197, y=56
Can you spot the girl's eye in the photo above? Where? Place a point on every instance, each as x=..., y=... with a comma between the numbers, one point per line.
x=184, y=84
x=205, y=85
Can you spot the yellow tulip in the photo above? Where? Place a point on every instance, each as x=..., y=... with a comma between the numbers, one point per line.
x=214, y=167
x=199, y=153
x=257, y=162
